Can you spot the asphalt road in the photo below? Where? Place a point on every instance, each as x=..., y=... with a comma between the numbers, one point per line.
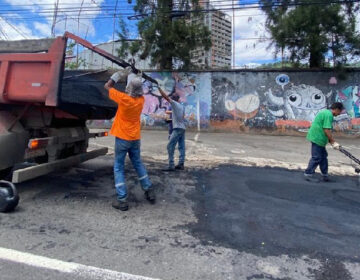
x=212, y=221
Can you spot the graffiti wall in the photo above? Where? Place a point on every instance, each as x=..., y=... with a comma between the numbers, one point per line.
x=274, y=101
x=245, y=100
x=192, y=89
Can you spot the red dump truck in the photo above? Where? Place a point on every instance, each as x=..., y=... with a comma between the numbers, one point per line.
x=44, y=108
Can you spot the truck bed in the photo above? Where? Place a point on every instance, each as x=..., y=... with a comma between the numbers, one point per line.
x=81, y=94
x=32, y=72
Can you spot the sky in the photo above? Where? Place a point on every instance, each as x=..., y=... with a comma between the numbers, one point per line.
x=26, y=19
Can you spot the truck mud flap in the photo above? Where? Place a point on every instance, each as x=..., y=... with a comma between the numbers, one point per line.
x=32, y=172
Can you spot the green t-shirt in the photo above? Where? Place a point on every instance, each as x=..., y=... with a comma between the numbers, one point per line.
x=316, y=134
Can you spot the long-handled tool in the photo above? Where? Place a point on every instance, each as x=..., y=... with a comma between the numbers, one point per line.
x=353, y=158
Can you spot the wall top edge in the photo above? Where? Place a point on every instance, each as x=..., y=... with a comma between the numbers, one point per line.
x=257, y=70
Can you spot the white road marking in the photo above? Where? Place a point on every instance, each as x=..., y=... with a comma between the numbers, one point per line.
x=196, y=138
x=89, y=272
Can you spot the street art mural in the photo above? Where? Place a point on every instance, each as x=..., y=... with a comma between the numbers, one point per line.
x=279, y=101
x=350, y=117
x=233, y=105
x=297, y=105
x=350, y=97
x=244, y=100
x=193, y=90
x=301, y=102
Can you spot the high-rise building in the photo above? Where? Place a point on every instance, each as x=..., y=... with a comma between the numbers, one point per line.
x=219, y=24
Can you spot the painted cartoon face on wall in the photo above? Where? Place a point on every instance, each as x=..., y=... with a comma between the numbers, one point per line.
x=298, y=102
x=232, y=102
x=243, y=107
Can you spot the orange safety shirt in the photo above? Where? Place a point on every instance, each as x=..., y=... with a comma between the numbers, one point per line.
x=126, y=124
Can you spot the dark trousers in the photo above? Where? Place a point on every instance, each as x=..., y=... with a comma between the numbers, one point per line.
x=318, y=158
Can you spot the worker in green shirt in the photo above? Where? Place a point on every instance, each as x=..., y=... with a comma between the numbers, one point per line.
x=319, y=135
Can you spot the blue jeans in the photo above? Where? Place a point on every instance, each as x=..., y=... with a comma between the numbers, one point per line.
x=170, y=129
x=177, y=137
x=122, y=147
x=318, y=157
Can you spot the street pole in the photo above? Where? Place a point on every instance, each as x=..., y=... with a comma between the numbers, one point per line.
x=113, y=37
x=233, y=35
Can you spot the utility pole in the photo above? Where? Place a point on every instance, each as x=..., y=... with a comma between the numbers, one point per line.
x=77, y=45
x=169, y=61
x=113, y=37
x=233, y=35
x=56, y=5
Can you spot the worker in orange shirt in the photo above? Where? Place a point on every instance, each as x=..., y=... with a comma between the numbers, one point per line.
x=126, y=129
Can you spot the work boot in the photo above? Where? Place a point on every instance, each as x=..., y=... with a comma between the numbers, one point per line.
x=327, y=179
x=169, y=169
x=180, y=167
x=120, y=205
x=150, y=195
x=311, y=178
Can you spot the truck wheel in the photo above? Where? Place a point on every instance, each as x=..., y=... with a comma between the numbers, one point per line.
x=41, y=159
x=5, y=174
x=9, y=197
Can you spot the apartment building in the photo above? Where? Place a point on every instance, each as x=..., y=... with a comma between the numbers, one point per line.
x=219, y=24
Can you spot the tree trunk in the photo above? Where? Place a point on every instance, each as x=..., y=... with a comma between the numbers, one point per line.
x=166, y=61
x=316, y=59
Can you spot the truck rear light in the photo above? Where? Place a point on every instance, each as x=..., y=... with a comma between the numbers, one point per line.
x=99, y=134
x=37, y=143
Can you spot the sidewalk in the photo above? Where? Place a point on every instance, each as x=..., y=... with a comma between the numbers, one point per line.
x=211, y=149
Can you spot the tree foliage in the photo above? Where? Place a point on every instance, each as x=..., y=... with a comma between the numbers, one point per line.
x=312, y=30
x=166, y=33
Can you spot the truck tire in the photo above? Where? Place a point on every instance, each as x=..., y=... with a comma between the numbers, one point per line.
x=9, y=197
x=77, y=148
x=5, y=174
x=41, y=159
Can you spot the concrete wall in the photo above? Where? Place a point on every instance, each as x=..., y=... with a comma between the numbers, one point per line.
x=267, y=101
x=272, y=101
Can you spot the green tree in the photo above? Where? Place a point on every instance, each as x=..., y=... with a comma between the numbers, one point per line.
x=168, y=32
x=312, y=30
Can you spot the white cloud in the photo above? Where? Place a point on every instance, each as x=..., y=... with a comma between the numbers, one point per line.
x=249, y=28
x=250, y=23
x=43, y=28
x=252, y=65
x=67, y=16
x=15, y=31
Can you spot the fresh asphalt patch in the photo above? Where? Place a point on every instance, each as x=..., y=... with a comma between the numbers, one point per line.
x=271, y=211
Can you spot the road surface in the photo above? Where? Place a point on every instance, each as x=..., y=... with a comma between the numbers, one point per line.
x=227, y=216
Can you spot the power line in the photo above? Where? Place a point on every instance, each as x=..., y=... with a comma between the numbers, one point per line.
x=13, y=27
x=222, y=6
x=92, y=13
x=3, y=33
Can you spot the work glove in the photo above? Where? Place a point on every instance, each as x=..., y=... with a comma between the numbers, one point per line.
x=121, y=76
x=336, y=146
